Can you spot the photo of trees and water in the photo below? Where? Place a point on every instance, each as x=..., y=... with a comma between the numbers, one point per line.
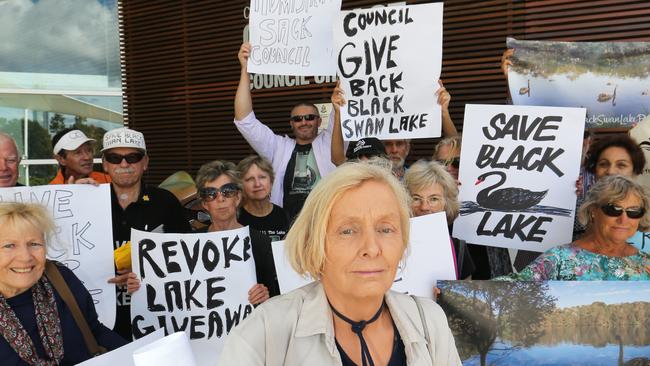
x=549, y=323
x=610, y=79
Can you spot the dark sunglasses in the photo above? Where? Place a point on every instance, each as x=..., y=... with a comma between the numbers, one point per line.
x=613, y=210
x=300, y=117
x=455, y=162
x=131, y=158
x=227, y=190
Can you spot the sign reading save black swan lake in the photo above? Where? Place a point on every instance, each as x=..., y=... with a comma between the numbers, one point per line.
x=518, y=169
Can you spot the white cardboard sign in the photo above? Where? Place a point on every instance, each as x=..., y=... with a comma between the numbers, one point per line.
x=429, y=259
x=123, y=356
x=389, y=61
x=84, y=237
x=197, y=283
x=292, y=37
x=518, y=169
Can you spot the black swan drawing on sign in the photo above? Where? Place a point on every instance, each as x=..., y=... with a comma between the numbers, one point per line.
x=506, y=199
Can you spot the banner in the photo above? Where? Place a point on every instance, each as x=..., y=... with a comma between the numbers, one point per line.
x=197, y=283
x=292, y=37
x=123, y=356
x=389, y=74
x=84, y=236
x=430, y=258
x=560, y=323
x=518, y=172
x=610, y=79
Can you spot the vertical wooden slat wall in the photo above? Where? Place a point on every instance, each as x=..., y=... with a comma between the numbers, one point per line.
x=180, y=68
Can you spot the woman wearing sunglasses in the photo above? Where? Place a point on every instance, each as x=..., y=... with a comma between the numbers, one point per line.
x=614, y=209
x=219, y=188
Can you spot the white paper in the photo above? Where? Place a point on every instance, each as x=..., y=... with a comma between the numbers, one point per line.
x=84, y=238
x=172, y=350
x=430, y=258
x=123, y=356
x=212, y=272
x=292, y=37
x=390, y=72
x=491, y=139
x=288, y=279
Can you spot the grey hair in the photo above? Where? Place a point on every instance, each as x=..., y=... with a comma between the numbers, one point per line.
x=427, y=173
x=611, y=189
x=13, y=141
x=453, y=141
x=212, y=170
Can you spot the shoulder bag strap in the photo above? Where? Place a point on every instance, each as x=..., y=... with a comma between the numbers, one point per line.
x=424, y=324
x=62, y=288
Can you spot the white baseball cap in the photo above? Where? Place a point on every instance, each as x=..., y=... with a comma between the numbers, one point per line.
x=71, y=141
x=124, y=137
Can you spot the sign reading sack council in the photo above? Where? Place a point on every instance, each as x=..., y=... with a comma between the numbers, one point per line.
x=518, y=168
x=197, y=283
x=389, y=62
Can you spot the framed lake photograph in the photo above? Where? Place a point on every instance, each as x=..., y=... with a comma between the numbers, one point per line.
x=549, y=323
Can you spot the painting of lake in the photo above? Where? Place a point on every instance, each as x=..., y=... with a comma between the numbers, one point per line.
x=549, y=323
x=610, y=79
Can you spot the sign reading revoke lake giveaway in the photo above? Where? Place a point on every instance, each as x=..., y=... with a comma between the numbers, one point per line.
x=389, y=62
x=197, y=283
x=518, y=168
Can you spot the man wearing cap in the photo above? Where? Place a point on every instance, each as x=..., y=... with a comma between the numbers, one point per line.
x=298, y=163
x=135, y=205
x=74, y=151
x=9, y=161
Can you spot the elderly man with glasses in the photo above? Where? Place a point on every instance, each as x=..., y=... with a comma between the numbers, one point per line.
x=300, y=162
x=135, y=205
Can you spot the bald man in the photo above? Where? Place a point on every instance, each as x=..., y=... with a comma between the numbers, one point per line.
x=9, y=161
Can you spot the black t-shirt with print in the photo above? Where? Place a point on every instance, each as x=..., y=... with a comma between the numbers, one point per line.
x=274, y=225
x=301, y=176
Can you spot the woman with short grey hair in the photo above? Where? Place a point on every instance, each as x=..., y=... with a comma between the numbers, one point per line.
x=614, y=209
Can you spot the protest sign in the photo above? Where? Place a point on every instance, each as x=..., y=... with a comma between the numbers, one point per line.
x=389, y=74
x=123, y=356
x=292, y=37
x=610, y=79
x=429, y=259
x=172, y=350
x=84, y=236
x=518, y=168
x=197, y=283
x=560, y=323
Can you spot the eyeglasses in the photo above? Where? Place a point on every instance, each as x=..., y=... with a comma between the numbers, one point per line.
x=431, y=200
x=131, y=158
x=227, y=190
x=613, y=210
x=454, y=162
x=300, y=117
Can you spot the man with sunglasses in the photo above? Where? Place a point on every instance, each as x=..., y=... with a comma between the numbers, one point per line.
x=298, y=162
x=9, y=161
x=135, y=205
x=74, y=152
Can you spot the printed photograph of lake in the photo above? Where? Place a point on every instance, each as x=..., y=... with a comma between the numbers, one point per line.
x=549, y=323
x=610, y=79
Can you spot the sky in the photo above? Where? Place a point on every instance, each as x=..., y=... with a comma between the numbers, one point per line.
x=575, y=293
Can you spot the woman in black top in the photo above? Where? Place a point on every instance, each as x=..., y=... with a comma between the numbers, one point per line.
x=257, y=211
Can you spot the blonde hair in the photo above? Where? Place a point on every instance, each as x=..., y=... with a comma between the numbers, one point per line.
x=610, y=189
x=24, y=216
x=246, y=163
x=305, y=242
x=424, y=174
x=453, y=141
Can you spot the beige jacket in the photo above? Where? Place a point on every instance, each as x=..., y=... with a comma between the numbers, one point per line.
x=297, y=329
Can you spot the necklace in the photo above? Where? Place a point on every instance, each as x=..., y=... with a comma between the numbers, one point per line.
x=124, y=196
x=357, y=328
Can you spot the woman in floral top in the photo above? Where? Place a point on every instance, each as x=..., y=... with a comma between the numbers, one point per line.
x=614, y=209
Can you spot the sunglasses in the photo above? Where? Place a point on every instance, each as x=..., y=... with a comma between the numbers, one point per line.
x=131, y=158
x=227, y=190
x=613, y=210
x=300, y=117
